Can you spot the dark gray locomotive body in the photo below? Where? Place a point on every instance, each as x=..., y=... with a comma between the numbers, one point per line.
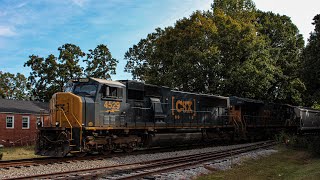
x=96, y=115
x=100, y=115
x=260, y=118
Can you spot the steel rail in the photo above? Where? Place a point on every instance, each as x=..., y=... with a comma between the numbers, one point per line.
x=176, y=164
x=147, y=167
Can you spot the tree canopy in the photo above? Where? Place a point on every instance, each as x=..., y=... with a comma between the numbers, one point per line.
x=311, y=64
x=234, y=49
x=100, y=63
x=49, y=75
x=14, y=86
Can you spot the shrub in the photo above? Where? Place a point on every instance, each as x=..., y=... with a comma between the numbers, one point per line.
x=310, y=143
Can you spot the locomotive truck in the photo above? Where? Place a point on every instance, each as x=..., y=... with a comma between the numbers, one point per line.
x=97, y=115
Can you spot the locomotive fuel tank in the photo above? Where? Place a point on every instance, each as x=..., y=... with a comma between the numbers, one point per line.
x=173, y=139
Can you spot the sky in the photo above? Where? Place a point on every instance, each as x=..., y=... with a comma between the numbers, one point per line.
x=39, y=27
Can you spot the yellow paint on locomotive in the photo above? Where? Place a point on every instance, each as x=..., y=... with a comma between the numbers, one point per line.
x=183, y=106
x=66, y=109
x=112, y=106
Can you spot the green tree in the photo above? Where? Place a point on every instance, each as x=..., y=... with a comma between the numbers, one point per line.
x=285, y=45
x=246, y=69
x=69, y=57
x=209, y=52
x=180, y=57
x=14, y=86
x=232, y=50
x=44, y=76
x=243, y=10
x=100, y=63
x=49, y=75
x=311, y=64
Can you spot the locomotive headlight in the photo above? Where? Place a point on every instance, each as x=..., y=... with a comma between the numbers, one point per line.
x=57, y=124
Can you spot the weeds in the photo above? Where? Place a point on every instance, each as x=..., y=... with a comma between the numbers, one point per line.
x=311, y=143
x=18, y=152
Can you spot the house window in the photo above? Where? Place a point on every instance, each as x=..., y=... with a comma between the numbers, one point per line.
x=10, y=122
x=25, y=122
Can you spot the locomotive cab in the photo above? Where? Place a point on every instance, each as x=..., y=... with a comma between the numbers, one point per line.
x=77, y=115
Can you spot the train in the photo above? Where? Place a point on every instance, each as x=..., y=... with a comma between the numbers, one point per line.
x=95, y=115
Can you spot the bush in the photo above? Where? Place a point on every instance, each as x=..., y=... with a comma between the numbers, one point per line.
x=310, y=143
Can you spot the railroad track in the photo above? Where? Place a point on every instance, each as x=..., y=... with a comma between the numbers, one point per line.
x=19, y=163
x=23, y=162
x=148, y=168
x=43, y=161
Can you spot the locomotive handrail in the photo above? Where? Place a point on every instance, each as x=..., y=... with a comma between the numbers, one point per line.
x=136, y=107
x=76, y=120
x=66, y=119
x=80, y=127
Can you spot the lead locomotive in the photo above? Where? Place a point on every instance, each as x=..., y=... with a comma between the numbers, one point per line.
x=96, y=115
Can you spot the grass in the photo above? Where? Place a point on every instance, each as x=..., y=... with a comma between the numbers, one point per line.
x=25, y=152
x=286, y=164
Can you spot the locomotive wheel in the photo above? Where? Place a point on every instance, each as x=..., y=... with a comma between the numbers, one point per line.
x=128, y=149
x=80, y=154
x=106, y=152
x=62, y=148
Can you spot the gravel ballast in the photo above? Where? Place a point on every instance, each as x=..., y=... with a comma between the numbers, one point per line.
x=188, y=173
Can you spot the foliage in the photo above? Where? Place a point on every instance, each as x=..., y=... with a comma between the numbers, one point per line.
x=100, y=63
x=311, y=64
x=285, y=45
x=316, y=105
x=309, y=142
x=14, y=86
x=181, y=57
x=68, y=66
x=232, y=50
x=245, y=70
x=49, y=75
x=44, y=76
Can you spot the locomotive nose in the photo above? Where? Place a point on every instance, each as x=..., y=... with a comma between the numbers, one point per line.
x=66, y=110
x=64, y=132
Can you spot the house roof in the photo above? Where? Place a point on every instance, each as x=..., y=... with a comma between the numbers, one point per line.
x=19, y=106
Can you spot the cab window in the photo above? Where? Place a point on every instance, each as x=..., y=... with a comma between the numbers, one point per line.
x=85, y=89
x=111, y=92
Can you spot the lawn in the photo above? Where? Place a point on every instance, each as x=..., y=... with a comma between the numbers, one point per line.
x=286, y=164
x=18, y=152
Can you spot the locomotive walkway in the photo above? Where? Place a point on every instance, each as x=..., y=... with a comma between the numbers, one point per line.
x=149, y=168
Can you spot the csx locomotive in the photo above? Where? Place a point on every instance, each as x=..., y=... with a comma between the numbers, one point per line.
x=97, y=115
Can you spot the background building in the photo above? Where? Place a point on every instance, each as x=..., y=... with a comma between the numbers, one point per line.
x=18, y=121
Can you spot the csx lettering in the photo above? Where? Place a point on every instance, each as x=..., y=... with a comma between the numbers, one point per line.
x=184, y=106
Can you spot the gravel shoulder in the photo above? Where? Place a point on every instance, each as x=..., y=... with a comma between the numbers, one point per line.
x=183, y=174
